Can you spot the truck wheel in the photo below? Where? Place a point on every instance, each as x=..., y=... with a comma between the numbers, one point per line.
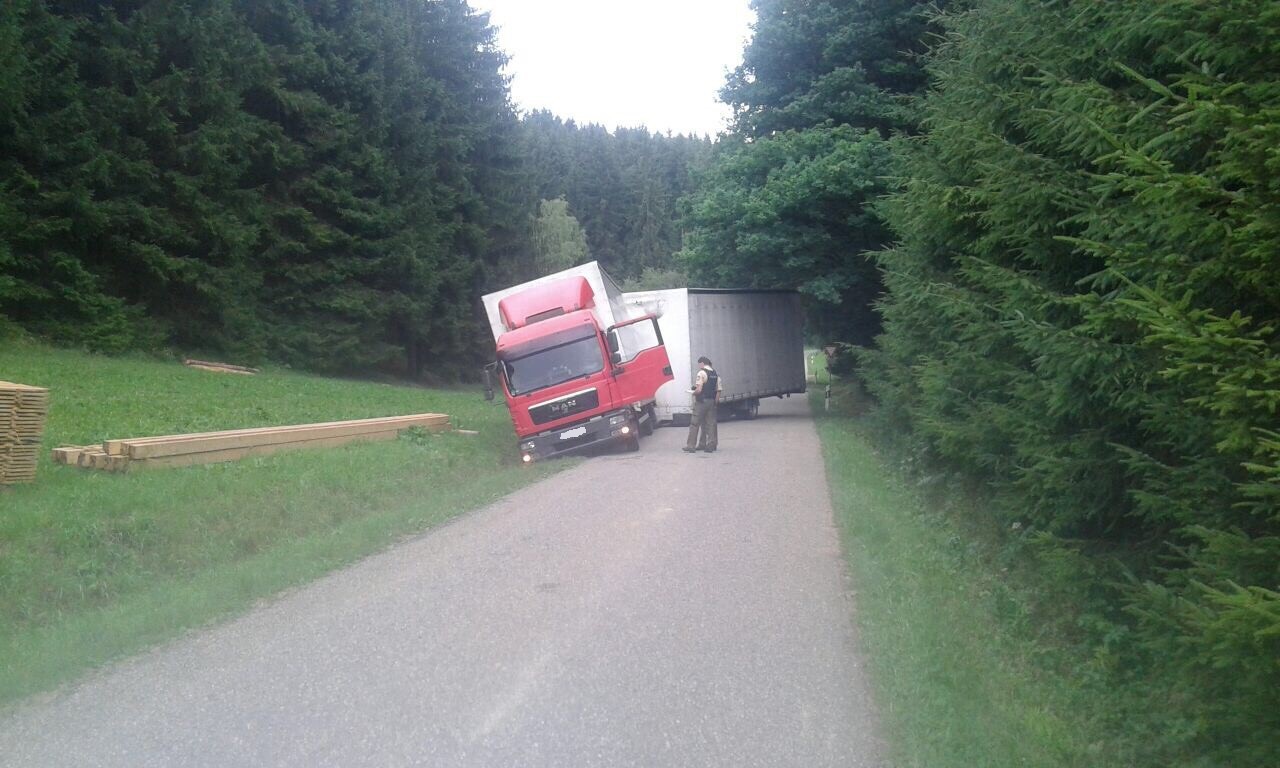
x=647, y=425
x=752, y=410
x=631, y=443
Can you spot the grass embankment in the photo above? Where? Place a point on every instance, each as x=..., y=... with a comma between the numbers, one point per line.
x=96, y=565
x=960, y=677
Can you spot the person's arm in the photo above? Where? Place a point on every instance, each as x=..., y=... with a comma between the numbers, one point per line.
x=698, y=381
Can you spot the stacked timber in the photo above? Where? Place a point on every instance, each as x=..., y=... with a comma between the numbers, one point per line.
x=23, y=410
x=231, y=445
x=89, y=457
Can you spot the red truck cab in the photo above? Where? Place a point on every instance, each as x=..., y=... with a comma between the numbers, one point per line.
x=570, y=383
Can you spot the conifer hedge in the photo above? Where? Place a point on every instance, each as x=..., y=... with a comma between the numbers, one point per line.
x=1083, y=308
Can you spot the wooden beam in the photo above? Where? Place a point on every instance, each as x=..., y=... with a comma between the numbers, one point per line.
x=179, y=446
x=219, y=369
x=225, y=367
x=236, y=454
x=68, y=454
x=85, y=458
x=118, y=447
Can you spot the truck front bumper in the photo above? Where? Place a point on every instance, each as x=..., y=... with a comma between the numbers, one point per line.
x=614, y=425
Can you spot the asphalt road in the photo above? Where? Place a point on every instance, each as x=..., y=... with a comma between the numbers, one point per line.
x=646, y=609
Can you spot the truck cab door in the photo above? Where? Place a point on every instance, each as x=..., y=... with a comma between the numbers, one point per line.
x=639, y=361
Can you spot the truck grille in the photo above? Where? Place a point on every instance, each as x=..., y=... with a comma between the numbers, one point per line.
x=564, y=445
x=578, y=402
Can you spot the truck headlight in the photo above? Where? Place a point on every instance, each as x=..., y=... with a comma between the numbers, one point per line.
x=616, y=420
x=526, y=447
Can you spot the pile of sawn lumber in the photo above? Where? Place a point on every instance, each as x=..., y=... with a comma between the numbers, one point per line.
x=231, y=445
x=22, y=413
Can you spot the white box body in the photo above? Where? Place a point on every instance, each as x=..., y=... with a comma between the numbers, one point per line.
x=609, y=306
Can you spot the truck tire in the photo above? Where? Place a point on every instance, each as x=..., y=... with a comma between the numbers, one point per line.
x=751, y=410
x=631, y=442
x=649, y=421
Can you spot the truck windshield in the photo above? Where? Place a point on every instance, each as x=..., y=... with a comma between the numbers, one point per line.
x=554, y=365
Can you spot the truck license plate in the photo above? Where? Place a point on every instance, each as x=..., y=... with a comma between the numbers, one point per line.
x=569, y=434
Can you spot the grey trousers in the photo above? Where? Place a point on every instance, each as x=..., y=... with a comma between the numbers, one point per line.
x=704, y=419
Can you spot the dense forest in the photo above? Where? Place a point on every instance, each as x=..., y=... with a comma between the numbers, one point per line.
x=1064, y=214
x=325, y=184
x=621, y=186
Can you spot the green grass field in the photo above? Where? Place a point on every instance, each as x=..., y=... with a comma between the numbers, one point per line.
x=954, y=669
x=97, y=565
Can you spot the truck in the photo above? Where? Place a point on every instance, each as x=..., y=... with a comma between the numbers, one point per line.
x=575, y=367
x=754, y=338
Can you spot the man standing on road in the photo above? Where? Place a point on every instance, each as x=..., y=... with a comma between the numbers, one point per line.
x=706, y=392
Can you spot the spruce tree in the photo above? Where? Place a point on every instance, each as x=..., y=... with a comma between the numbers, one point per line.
x=1083, y=311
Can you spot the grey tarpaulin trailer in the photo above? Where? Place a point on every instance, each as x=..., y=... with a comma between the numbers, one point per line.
x=755, y=339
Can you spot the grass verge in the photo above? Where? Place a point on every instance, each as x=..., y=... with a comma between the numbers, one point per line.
x=959, y=679
x=94, y=566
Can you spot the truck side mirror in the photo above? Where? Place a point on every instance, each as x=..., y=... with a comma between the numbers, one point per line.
x=613, y=344
x=488, y=381
x=616, y=357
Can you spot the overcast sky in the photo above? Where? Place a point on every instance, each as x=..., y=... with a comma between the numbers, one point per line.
x=657, y=63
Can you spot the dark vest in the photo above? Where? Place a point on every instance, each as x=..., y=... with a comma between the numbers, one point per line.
x=709, y=388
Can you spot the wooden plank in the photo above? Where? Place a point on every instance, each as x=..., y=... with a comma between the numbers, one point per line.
x=13, y=389
x=210, y=365
x=23, y=410
x=118, y=446
x=216, y=369
x=215, y=442
x=236, y=454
